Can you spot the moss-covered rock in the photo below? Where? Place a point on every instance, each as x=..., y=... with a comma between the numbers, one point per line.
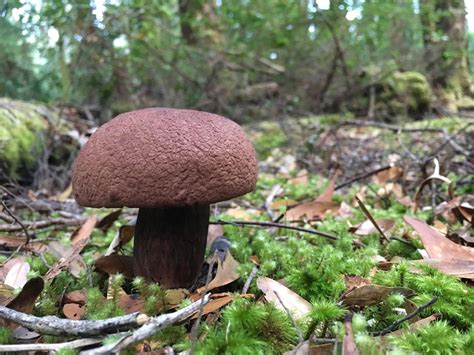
x=21, y=125
x=407, y=94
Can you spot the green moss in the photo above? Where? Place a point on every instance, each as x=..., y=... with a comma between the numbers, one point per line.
x=20, y=135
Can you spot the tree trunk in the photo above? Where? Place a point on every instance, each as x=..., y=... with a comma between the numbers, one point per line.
x=445, y=43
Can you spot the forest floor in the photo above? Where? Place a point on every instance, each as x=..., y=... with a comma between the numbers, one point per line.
x=358, y=238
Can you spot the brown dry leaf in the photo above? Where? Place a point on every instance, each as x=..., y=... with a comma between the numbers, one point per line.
x=214, y=231
x=438, y=246
x=114, y=264
x=105, y=223
x=216, y=304
x=355, y=281
x=132, y=303
x=15, y=242
x=348, y=343
x=76, y=265
x=309, y=348
x=391, y=188
x=283, y=203
x=327, y=194
x=25, y=300
x=123, y=236
x=367, y=227
x=393, y=173
x=368, y=295
x=345, y=211
x=458, y=268
x=79, y=241
x=296, y=304
x=311, y=210
x=74, y=311
x=300, y=178
x=226, y=272
x=6, y=294
x=8, y=265
x=78, y=296
x=17, y=276
x=241, y=214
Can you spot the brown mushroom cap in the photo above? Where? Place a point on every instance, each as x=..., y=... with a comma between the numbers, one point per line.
x=164, y=157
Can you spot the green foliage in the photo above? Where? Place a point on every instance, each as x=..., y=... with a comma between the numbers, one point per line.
x=97, y=307
x=322, y=314
x=68, y=351
x=435, y=338
x=6, y=335
x=152, y=293
x=249, y=327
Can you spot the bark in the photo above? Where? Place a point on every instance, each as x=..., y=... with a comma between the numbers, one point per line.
x=170, y=244
x=445, y=43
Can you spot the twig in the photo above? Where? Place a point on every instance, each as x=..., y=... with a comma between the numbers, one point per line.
x=369, y=216
x=362, y=176
x=41, y=224
x=394, y=325
x=74, y=344
x=298, y=330
x=194, y=330
x=154, y=325
x=17, y=220
x=52, y=325
x=278, y=225
x=248, y=282
x=6, y=218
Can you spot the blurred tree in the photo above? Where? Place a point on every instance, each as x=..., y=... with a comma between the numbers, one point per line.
x=445, y=41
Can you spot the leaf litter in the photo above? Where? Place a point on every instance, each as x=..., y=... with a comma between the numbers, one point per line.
x=298, y=195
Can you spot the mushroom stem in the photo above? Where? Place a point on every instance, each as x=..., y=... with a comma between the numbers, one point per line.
x=170, y=244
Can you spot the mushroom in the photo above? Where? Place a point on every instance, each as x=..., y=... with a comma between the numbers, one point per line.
x=171, y=164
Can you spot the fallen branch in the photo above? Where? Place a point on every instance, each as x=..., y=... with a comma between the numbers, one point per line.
x=52, y=325
x=362, y=176
x=277, y=225
x=30, y=225
x=154, y=325
x=74, y=344
x=395, y=325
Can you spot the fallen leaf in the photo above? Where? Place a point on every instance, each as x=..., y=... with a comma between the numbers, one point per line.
x=458, y=268
x=74, y=311
x=114, y=264
x=15, y=242
x=6, y=294
x=392, y=173
x=283, y=203
x=105, y=223
x=367, y=295
x=412, y=327
x=215, y=304
x=25, y=300
x=59, y=250
x=295, y=304
x=22, y=333
x=327, y=194
x=437, y=245
x=300, y=178
x=226, y=273
x=79, y=241
x=311, y=210
x=78, y=296
x=8, y=265
x=367, y=227
x=17, y=276
x=214, y=231
x=123, y=236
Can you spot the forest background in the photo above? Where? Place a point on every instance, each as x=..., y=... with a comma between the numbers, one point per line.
x=246, y=60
